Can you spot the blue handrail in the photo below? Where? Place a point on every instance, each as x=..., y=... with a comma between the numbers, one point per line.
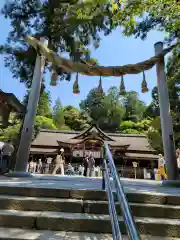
x=111, y=204
x=125, y=209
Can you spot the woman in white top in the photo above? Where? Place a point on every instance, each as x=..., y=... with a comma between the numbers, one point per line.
x=59, y=162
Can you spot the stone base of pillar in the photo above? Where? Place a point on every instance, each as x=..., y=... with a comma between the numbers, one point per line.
x=19, y=174
x=171, y=183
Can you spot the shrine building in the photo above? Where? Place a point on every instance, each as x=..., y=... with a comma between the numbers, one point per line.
x=126, y=148
x=8, y=103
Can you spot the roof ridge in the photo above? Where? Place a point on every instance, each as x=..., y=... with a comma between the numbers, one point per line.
x=59, y=131
x=127, y=135
x=79, y=132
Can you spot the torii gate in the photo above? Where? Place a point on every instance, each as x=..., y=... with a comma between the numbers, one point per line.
x=69, y=66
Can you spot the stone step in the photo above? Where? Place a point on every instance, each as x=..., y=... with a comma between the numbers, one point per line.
x=60, y=221
x=138, y=209
x=135, y=197
x=53, y=192
x=26, y=234
x=22, y=203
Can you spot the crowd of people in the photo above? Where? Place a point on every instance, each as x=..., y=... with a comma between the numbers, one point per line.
x=59, y=166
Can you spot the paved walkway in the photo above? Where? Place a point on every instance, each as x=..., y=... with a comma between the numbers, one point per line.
x=68, y=182
x=19, y=234
x=14, y=233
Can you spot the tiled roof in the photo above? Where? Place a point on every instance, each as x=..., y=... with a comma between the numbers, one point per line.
x=44, y=150
x=51, y=137
x=142, y=156
x=136, y=142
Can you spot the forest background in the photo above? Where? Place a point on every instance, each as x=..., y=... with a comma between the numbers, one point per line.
x=73, y=28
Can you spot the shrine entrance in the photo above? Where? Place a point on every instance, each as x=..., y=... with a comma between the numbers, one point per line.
x=88, y=142
x=59, y=63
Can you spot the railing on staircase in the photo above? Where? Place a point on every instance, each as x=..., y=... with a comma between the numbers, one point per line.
x=109, y=170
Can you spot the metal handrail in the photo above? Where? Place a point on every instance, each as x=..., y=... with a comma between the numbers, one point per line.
x=125, y=209
x=111, y=204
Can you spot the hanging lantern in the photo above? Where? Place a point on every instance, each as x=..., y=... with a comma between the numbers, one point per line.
x=122, y=87
x=144, y=87
x=76, y=85
x=54, y=78
x=99, y=88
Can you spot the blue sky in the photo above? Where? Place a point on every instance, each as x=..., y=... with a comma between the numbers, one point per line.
x=114, y=50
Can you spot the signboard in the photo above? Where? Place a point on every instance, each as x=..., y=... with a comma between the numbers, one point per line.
x=78, y=153
x=95, y=154
x=81, y=153
x=134, y=164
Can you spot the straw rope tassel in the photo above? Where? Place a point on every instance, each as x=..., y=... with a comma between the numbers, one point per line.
x=122, y=86
x=76, y=85
x=54, y=77
x=144, y=87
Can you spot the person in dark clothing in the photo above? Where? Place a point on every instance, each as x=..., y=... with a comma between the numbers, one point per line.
x=85, y=163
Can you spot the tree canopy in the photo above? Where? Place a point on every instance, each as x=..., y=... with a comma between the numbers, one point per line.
x=72, y=28
x=52, y=19
x=58, y=115
x=137, y=17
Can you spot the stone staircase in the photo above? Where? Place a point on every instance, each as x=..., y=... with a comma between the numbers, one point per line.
x=39, y=213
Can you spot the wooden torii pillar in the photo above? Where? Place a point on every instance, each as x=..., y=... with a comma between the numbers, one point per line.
x=166, y=119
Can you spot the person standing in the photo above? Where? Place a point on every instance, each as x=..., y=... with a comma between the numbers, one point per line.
x=39, y=166
x=31, y=166
x=59, y=162
x=85, y=163
x=96, y=171
x=91, y=164
x=7, y=151
x=178, y=157
x=81, y=170
x=70, y=169
x=35, y=166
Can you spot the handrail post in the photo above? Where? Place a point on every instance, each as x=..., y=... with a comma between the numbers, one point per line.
x=103, y=169
x=103, y=176
x=125, y=208
x=111, y=204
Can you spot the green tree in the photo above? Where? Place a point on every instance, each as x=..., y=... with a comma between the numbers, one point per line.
x=93, y=105
x=173, y=76
x=56, y=21
x=43, y=123
x=134, y=107
x=137, y=17
x=105, y=110
x=43, y=108
x=161, y=15
x=154, y=135
x=152, y=109
x=114, y=111
x=58, y=115
x=141, y=127
x=75, y=119
x=11, y=132
x=173, y=79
